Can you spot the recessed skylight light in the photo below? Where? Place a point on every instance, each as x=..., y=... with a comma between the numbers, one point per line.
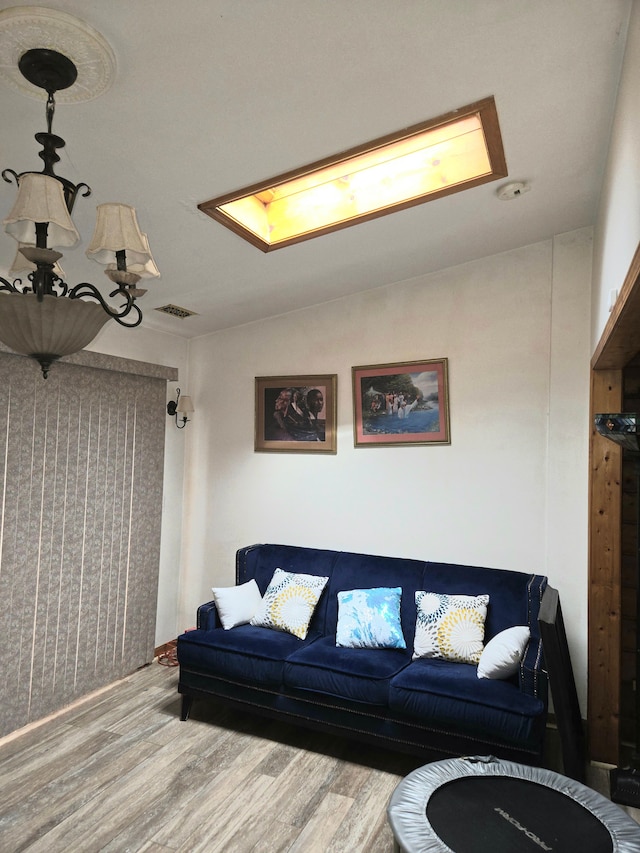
x=444, y=155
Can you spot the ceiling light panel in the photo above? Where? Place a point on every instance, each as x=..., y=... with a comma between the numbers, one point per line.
x=444, y=155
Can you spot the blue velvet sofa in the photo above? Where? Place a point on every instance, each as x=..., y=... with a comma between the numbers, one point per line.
x=427, y=707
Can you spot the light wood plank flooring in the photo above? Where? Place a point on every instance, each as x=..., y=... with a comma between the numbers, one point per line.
x=121, y=773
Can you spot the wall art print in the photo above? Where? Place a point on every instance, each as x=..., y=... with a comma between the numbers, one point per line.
x=296, y=414
x=404, y=403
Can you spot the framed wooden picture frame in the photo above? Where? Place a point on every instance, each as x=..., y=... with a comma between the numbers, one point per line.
x=296, y=414
x=401, y=404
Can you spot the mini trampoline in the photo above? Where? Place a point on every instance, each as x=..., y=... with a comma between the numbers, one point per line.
x=483, y=805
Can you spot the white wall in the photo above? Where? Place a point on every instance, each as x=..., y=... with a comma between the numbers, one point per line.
x=617, y=231
x=158, y=348
x=567, y=455
x=509, y=492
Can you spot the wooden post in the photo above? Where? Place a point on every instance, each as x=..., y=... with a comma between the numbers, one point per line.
x=605, y=617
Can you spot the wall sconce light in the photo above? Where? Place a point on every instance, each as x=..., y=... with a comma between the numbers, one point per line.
x=181, y=405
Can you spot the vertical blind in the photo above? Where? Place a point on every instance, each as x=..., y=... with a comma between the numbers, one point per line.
x=81, y=469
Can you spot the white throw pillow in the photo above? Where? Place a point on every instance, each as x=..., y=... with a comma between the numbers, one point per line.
x=502, y=654
x=237, y=605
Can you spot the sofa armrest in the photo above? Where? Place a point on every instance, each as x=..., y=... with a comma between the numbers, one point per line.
x=532, y=675
x=208, y=617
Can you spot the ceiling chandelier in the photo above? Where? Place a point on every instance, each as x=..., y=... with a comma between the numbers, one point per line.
x=47, y=319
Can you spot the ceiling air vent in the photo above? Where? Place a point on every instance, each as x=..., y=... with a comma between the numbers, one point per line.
x=176, y=311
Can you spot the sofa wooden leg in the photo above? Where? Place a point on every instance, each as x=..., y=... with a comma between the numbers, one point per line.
x=187, y=701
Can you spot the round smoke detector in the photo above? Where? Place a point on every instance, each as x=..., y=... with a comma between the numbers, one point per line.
x=512, y=190
x=23, y=28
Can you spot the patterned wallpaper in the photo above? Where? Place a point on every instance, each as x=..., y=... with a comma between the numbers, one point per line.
x=81, y=468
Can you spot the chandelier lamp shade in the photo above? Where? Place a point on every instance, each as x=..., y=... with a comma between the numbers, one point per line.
x=41, y=199
x=46, y=318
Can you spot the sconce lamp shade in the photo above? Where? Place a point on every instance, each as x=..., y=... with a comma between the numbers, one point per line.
x=53, y=327
x=180, y=406
x=185, y=406
x=117, y=230
x=41, y=199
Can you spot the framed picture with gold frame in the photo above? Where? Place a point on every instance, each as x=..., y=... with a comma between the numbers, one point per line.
x=403, y=403
x=296, y=414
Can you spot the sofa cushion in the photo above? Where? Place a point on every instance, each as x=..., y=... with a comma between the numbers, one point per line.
x=289, y=602
x=245, y=653
x=361, y=675
x=447, y=692
x=370, y=619
x=450, y=627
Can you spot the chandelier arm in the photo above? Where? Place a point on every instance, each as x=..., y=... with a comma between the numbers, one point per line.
x=120, y=315
x=61, y=284
x=45, y=282
x=14, y=175
x=86, y=187
x=14, y=287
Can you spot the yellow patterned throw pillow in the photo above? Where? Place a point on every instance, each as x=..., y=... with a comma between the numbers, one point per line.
x=450, y=627
x=289, y=602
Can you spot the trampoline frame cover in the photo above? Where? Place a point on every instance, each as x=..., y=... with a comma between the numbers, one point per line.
x=407, y=810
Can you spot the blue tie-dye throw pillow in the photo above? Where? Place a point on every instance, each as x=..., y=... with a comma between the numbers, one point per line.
x=370, y=619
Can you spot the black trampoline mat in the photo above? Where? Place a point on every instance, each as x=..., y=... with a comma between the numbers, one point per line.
x=500, y=814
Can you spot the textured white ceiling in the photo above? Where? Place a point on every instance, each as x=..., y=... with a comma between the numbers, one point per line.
x=212, y=95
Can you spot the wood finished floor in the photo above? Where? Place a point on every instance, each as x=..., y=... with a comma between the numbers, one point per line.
x=121, y=773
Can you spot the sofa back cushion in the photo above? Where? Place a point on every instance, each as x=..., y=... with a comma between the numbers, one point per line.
x=514, y=597
x=364, y=571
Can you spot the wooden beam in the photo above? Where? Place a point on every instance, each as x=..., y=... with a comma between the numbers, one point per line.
x=605, y=618
x=620, y=340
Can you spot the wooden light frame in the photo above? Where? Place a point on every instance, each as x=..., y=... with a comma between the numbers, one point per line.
x=246, y=211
